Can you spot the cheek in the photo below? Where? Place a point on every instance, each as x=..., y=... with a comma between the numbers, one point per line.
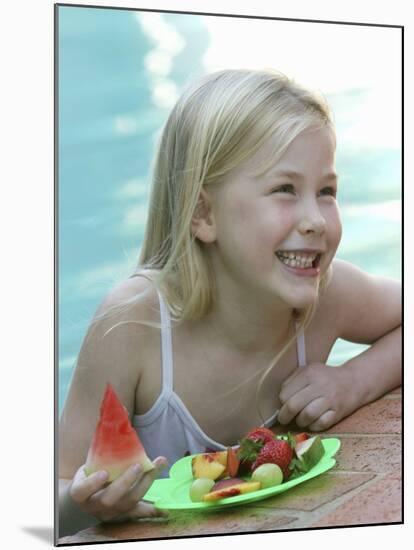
x=277, y=218
x=277, y=224
x=334, y=225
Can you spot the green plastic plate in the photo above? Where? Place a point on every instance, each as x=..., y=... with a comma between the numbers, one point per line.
x=173, y=493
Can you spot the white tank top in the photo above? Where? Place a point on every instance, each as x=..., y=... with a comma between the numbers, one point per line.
x=168, y=428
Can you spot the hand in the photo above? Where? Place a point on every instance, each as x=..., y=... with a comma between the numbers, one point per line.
x=317, y=396
x=119, y=500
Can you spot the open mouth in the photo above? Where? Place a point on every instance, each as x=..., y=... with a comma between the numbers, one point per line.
x=299, y=260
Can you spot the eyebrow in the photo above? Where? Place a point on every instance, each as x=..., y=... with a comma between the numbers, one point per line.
x=330, y=176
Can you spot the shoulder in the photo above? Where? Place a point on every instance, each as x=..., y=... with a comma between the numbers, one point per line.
x=129, y=296
x=115, y=350
x=119, y=341
x=366, y=306
x=123, y=327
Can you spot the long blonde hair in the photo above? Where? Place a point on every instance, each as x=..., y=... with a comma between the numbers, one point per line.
x=220, y=121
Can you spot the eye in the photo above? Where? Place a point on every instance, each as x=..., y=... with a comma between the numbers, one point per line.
x=328, y=191
x=285, y=188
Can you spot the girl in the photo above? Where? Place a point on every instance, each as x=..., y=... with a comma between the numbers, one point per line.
x=207, y=339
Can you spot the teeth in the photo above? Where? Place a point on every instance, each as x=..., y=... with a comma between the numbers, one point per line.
x=297, y=260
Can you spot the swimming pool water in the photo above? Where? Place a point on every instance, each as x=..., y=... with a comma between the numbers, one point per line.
x=118, y=77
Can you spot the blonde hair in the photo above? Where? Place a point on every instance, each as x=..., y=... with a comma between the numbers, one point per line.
x=219, y=122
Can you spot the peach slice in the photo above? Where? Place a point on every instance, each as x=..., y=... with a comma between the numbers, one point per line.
x=232, y=491
x=208, y=465
x=218, y=456
x=227, y=482
x=232, y=463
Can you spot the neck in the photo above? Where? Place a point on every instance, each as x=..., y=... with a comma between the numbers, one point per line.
x=248, y=326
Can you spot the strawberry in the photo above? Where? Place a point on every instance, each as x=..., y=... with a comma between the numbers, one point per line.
x=250, y=446
x=260, y=434
x=277, y=451
x=247, y=454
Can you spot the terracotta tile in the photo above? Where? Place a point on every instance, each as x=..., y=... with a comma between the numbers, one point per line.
x=382, y=417
x=240, y=520
x=359, y=459
x=370, y=454
x=141, y=529
x=236, y=520
x=381, y=502
x=123, y=531
x=83, y=536
x=316, y=492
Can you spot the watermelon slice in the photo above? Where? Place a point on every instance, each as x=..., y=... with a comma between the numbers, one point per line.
x=115, y=445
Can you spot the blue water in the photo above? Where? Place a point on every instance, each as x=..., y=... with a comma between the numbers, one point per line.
x=108, y=120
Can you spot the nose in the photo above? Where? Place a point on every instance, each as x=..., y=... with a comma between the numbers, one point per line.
x=312, y=220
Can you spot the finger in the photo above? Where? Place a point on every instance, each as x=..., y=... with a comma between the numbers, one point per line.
x=291, y=377
x=296, y=384
x=146, y=510
x=160, y=464
x=295, y=404
x=142, y=485
x=84, y=486
x=139, y=511
x=131, y=498
x=325, y=421
x=120, y=486
x=314, y=410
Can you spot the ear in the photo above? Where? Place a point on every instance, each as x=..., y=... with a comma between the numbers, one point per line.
x=202, y=223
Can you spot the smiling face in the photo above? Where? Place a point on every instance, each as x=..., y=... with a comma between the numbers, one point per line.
x=276, y=234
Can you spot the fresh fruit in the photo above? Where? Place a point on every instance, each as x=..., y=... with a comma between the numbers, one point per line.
x=219, y=456
x=228, y=482
x=260, y=434
x=247, y=454
x=115, y=444
x=245, y=465
x=278, y=452
x=232, y=464
x=250, y=445
x=209, y=465
x=303, y=436
x=199, y=488
x=268, y=475
x=234, y=490
x=309, y=452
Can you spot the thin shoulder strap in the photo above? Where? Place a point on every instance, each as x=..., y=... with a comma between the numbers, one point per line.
x=166, y=345
x=301, y=353
x=300, y=347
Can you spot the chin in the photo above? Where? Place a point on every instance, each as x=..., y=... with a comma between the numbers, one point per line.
x=302, y=299
x=303, y=304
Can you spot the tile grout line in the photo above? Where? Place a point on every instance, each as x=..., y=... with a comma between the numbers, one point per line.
x=373, y=477
x=309, y=518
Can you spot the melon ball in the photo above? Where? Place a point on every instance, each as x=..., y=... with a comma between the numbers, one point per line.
x=200, y=487
x=269, y=475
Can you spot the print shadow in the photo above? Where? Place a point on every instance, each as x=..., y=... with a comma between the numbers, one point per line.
x=42, y=533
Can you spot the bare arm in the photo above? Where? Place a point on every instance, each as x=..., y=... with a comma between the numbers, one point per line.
x=372, y=316
x=107, y=355
x=104, y=357
x=367, y=310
